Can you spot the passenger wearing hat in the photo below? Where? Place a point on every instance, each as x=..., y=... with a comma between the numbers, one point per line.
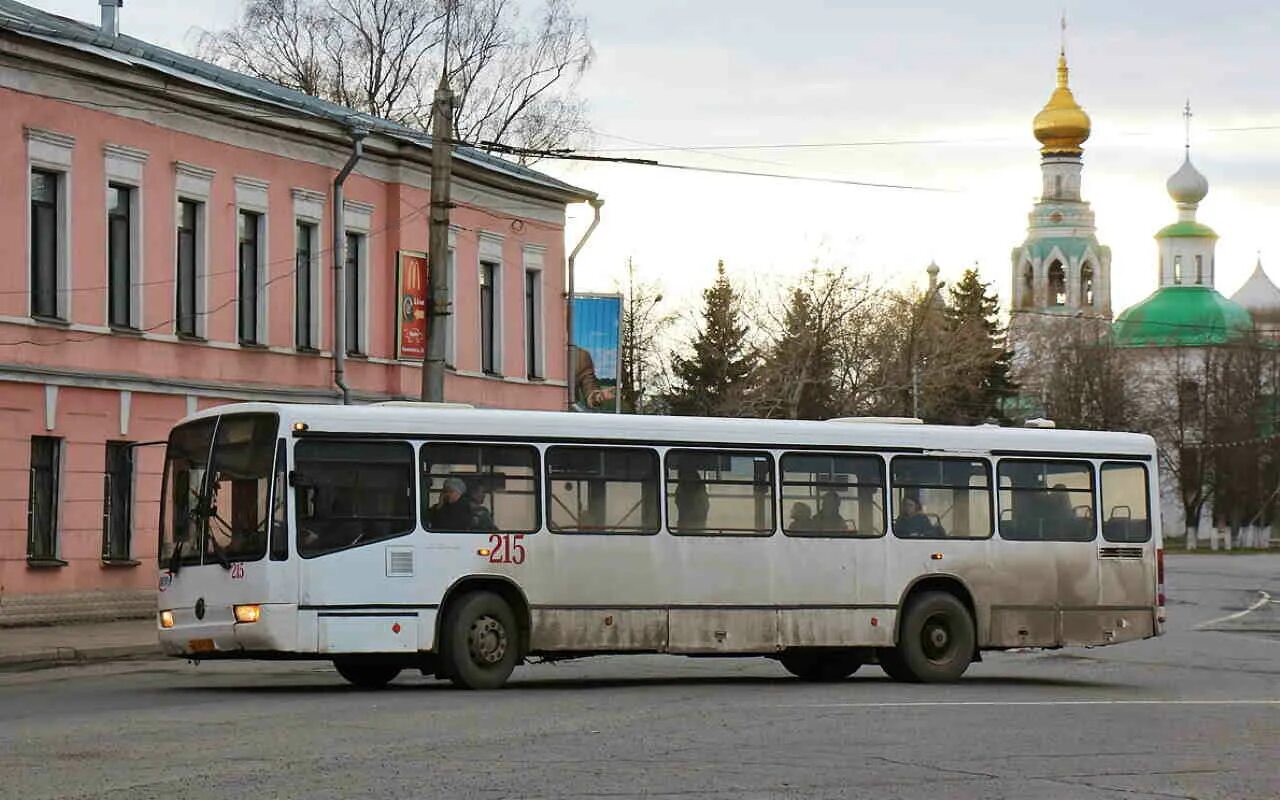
x=453, y=512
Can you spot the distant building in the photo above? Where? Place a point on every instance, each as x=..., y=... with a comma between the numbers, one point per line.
x=169, y=247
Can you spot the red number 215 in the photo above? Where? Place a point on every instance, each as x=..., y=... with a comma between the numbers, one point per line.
x=505, y=548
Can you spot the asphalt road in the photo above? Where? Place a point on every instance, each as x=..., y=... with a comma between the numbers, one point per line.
x=1194, y=714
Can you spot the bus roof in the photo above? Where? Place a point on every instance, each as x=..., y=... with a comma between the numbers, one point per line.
x=423, y=420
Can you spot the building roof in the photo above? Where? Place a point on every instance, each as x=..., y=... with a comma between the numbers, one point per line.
x=1182, y=316
x=1062, y=126
x=26, y=21
x=1259, y=296
x=1186, y=229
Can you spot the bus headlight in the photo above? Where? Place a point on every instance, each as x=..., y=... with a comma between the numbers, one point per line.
x=166, y=619
x=251, y=613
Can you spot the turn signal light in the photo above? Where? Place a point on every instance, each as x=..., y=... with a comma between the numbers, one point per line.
x=166, y=619
x=251, y=613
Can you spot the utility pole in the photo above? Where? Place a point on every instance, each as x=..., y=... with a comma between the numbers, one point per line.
x=438, y=306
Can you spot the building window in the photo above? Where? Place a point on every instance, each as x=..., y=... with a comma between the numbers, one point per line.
x=1177, y=269
x=46, y=241
x=1050, y=501
x=719, y=492
x=602, y=490
x=189, y=247
x=532, y=323
x=120, y=255
x=42, y=498
x=1199, y=269
x=1057, y=284
x=250, y=274
x=488, y=317
x=117, y=502
x=1086, y=285
x=1057, y=186
x=304, y=276
x=355, y=297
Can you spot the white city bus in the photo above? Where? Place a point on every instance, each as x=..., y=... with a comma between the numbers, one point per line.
x=461, y=542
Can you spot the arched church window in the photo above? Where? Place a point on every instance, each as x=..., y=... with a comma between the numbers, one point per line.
x=1028, y=286
x=1057, y=186
x=1086, y=284
x=1177, y=269
x=1199, y=269
x=1057, y=284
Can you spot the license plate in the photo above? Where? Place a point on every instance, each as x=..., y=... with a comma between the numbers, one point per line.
x=201, y=645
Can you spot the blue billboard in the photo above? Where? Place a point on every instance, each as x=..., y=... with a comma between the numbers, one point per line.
x=597, y=334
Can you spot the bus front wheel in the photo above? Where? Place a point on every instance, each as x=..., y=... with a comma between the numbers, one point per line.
x=820, y=667
x=935, y=641
x=366, y=674
x=481, y=642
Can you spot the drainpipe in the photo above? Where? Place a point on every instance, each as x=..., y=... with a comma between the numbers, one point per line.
x=340, y=267
x=571, y=365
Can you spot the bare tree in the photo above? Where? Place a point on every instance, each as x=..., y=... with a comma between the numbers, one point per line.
x=642, y=379
x=515, y=77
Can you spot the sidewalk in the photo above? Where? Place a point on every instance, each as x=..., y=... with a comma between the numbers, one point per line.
x=60, y=645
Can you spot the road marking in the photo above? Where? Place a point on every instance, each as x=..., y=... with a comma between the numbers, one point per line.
x=1262, y=601
x=932, y=704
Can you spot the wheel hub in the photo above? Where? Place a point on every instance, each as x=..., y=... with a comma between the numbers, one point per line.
x=936, y=639
x=487, y=641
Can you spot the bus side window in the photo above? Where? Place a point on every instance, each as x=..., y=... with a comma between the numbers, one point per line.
x=1125, y=503
x=602, y=490
x=500, y=482
x=714, y=492
x=352, y=493
x=279, y=546
x=941, y=497
x=1049, y=501
x=832, y=495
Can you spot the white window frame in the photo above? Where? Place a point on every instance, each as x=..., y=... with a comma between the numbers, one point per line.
x=490, y=252
x=451, y=321
x=358, y=218
x=251, y=195
x=124, y=167
x=194, y=184
x=308, y=208
x=51, y=152
x=533, y=262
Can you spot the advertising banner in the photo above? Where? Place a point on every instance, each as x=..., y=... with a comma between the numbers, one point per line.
x=597, y=331
x=411, y=305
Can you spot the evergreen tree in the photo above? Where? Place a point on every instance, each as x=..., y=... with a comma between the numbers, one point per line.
x=797, y=378
x=977, y=377
x=713, y=380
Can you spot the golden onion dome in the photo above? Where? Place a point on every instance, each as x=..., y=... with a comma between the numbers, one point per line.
x=1062, y=126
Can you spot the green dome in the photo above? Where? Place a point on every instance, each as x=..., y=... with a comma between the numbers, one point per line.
x=1188, y=229
x=1182, y=316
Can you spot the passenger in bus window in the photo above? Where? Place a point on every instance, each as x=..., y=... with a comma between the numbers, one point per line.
x=829, y=518
x=912, y=521
x=801, y=517
x=692, y=503
x=481, y=516
x=453, y=512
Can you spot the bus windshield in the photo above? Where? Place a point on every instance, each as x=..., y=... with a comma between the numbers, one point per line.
x=216, y=498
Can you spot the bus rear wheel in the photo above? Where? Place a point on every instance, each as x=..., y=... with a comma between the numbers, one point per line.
x=820, y=667
x=935, y=642
x=366, y=674
x=480, y=643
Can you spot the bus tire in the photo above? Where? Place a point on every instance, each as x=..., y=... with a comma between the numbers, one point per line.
x=480, y=642
x=366, y=674
x=936, y=640
x=891, y=662
x=820, y=667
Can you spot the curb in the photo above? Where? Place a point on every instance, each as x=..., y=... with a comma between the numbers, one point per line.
x=70, y=656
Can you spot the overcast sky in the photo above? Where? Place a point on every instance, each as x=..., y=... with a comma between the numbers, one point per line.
x=967, y=77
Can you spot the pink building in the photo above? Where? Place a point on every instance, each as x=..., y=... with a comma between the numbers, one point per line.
x=168, y=228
